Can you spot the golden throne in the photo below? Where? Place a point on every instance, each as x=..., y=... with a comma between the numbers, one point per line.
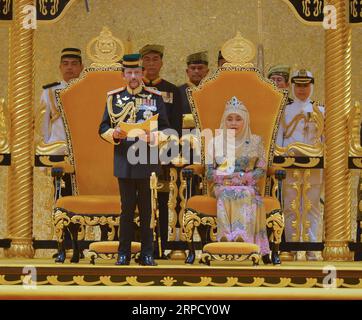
x=265, y=104
x=95, y=199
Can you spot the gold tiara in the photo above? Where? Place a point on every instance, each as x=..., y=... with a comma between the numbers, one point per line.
x=234, y=105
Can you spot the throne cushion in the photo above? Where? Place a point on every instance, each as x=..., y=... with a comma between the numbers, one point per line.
x=112, y=247
x=90, y=204
x=233, y=248
x=203, y=204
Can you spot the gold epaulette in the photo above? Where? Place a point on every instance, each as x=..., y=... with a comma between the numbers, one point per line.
x=152, y=90
x=319, y=104
x=188, y=121
x=115, y=91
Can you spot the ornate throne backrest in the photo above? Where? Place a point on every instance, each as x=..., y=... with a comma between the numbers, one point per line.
x=82, y=105
x=263, y=100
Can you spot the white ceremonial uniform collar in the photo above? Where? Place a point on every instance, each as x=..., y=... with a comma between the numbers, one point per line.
x=308, y=107
x=302, y=106
x=63, y=83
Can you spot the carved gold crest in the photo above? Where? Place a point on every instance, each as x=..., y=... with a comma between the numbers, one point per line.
x=238, y=51
x=105, y=50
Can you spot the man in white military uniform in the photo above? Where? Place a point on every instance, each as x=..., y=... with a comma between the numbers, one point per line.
x=53, y=128
x=297, y=125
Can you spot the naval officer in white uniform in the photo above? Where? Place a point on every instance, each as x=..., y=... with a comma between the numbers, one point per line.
x=298, y=125
x=53, y=128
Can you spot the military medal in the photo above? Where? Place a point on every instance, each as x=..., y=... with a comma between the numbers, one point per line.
x=119, y=102
x=147, y=105
x=167, y=97
x=147, y=114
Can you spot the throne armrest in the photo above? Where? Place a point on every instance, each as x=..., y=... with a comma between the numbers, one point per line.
x=278, y=172
x=194, y=169
x=63, y=166
x=188, y=121
x=57, y=172
x=189, y=173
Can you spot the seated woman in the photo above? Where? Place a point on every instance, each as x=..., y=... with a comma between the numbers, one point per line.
x=235, y=162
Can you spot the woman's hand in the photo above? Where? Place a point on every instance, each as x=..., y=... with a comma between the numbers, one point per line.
x=248, y=179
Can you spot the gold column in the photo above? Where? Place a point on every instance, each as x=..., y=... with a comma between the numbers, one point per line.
x=338, y=99
x=20, y=198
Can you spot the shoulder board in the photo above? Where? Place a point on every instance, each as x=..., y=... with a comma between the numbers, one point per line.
x=115, y=91
x=318, y=103
x=152, y=90
x=47, y=86
x=290, y=100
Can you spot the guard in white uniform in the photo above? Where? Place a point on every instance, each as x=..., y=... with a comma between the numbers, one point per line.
x=298, y=125
x=53, y=128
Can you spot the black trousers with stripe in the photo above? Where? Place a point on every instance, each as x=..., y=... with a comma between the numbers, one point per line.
x=135, y=192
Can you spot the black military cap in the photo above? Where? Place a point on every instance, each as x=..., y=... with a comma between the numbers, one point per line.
x=71, y=53
x=132, y=61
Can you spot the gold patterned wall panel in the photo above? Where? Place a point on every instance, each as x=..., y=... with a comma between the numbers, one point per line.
x=4, y=51
x=3, y=196
x=183, y=27
x=3, y=93
x=43, y=202
x=357, y=64
x=198, y=25
x=4, y=48
x=189, y=26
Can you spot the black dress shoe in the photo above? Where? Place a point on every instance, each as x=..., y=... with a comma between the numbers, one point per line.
x=123, y=260
x=266, y=259
x=147, y=261
x=60, y=258
x=190, y=258
x=275, y=257
x=81, y=254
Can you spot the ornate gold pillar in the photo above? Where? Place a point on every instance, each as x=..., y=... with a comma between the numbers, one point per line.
x=338, y=99
x=21, y=98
